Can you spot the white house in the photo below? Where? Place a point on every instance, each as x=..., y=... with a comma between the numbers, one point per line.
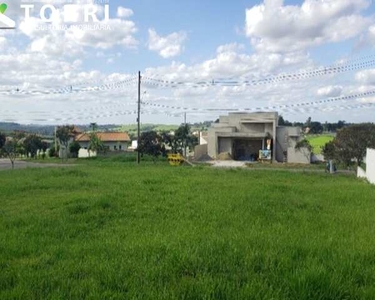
x=113, y=141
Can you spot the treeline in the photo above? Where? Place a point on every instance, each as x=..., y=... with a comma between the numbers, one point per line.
x=45, y=130
x=315, y=127
x=351, y=143
x=20, y=143
x=157, y=144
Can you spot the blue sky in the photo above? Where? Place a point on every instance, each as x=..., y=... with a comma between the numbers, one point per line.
x=206, y=23
x=209, y=25
x=189, y=41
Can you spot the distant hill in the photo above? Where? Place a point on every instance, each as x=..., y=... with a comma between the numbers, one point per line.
x=45, y=130
x=48, y=130
x=132, y=128
x=147, y=127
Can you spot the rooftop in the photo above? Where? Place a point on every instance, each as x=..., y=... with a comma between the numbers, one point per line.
x=105, y=137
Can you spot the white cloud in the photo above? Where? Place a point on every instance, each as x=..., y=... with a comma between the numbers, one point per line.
x=367, y=100
x=50, y=60
x=123, y=12
x=370, y=37
x=330, y=91
x=230, y=63
x=366, y=77
x=273, y=26
x=3, y=42
x=59, y=41
x=233, y=47
x=168, y=46
x=120, y=33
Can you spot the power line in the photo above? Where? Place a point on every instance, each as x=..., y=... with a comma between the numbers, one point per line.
x=72, y=89
x=139, y=118
x=157, y=82
x=330, y=100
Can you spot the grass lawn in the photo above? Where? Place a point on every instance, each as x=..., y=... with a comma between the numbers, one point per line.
x=287, y=166
x=105, y=230
x=319, y=141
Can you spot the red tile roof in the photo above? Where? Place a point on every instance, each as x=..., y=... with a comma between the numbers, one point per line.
x=105, y=137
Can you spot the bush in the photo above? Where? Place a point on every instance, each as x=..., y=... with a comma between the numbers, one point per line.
x=74, y=149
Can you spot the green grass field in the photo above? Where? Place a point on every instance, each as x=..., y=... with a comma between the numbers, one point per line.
x=112, y=230
x=319, y=141
x=132, y=129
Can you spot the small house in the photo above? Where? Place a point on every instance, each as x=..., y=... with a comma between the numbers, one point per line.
x=113, y=141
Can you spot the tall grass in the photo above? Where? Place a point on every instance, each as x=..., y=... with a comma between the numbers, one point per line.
x=117, y=231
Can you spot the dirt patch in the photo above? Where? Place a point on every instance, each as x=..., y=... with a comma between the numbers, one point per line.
x=6, y=165
x=204, y=158
x=225, y=156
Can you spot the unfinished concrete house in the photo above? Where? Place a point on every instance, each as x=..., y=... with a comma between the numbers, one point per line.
x=244, y=135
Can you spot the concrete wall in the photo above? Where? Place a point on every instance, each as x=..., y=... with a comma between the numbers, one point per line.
x=301, y=156
x=256, y=124
x=83, y=153
x=200, y=151
x=240, y=119
x=317, y=158
x=286, y=141
x=203, y=138
x=370, y=165
x=225, y=145
x=213, y=139
x=361, y=173
x=212, y=142
x=110, y=145
x=281, y=147
x=255, y=128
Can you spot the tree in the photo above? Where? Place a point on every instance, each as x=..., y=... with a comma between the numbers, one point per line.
x=44, y=149
x=151, y=144
x=329, y=151
x=308, y=122
x=64, y=134
x=96, y=144
x=74, y=149
x=283, y=122
x=54, y=152
x=32, y=144
x=11, y=148
x=2, y=140
x=182, y=138
x=94, y=126
x=170, y=140
x=316, y=128
x=352, y=142
x=341, y=124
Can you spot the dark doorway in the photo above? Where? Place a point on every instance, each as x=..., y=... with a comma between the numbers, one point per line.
x=247, y=150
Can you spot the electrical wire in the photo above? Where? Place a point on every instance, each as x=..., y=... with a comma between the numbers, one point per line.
x=72, y=89
x=157, y=82
x=253, y=109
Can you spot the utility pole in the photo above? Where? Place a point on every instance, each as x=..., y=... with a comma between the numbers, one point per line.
x=139, y=118
x=185, y=136
x=55, y=139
